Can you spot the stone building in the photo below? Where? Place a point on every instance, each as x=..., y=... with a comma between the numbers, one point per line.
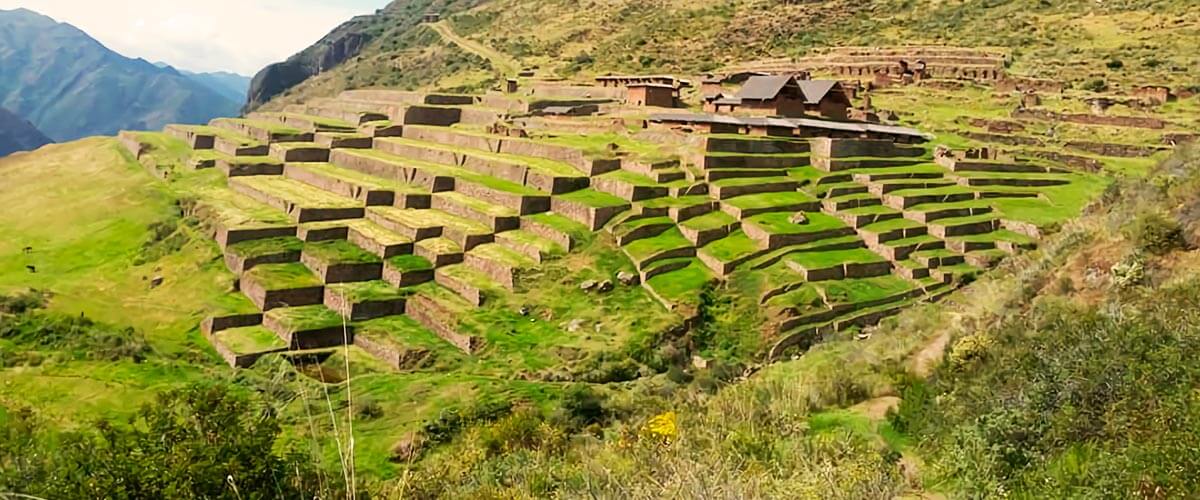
x=651, y=94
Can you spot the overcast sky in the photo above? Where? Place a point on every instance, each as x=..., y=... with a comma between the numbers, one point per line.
x=241, y=36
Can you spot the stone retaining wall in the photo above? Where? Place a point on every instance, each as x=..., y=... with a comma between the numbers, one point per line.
x=193, y=139
x=402, y=279
x=226, y=236
x=726, y=192
x=507, y=276
x=845, y=148
x=388, y=170
x=752, y=162
x=495, y=222
x=273, y=299
x=234, y=148
x=363, y=311
x=1116, y=150
x=214, y=324
x=232, y=169
x=367, y=195
x=1089, y=119
x=314, y=234
x=440, y=321
x=342, y=272
x=401, y=358
x=563, y=239
x=299, y=155
x=315, y=338
x=731, y=145
x=238, y=264
x=592, y=217
x=427, y=115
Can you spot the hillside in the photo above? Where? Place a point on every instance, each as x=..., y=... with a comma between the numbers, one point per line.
x=976, y=277
x=17, y=134
x=70, y=86
x=1076, y=40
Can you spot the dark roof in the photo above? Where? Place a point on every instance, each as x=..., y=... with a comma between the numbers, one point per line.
x=816, y=90
x=763, y=88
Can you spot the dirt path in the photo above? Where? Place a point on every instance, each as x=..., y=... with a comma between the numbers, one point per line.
x=925, y=360
x=503, y=63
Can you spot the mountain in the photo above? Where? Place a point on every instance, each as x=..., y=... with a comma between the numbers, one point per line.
x=70, y=86
x=1077, y=41
x=231, y=85
x=17, y=134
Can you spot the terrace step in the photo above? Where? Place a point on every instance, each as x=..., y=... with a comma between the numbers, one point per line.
x=440, y=314
x=407, y=270
x=309, y=327
x=422, y=224
x=437, y=178
x=299, y=152
x=233, y=144
x=364, y=301
x=530, y=244
x=467, y=282
x=302, y=203
x=503, y=265
x=343, y=140
x=367, y=189
x=498, y=218
x=964, y=226
x=546, y=175
x=305, y=122
x=264, y=132
x=246, y=166
x=730, y=188
x=439, y=251
x=378, y=240
x=640, y=228
x=339, y=261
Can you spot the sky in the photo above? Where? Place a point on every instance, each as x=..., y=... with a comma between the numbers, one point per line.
x=241, y=36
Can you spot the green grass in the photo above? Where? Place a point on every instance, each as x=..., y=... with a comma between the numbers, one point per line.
x=543, y=165
x=503, y=255
x=864, y=289
x=306, y=318
x=683, y=285
x=339, y=252
x=562, y=224
x=425, y=218
x=823, y=260
x=780, y=223
x=269, y=246
x=593, y=198
x=250, y=339
x=769, y=200
x=735, y=246
x=712, y=220
x=271, y=127
x=648, y=247
x=409, y=263
x=448, y=171
x=295, y=192
x=283, y=276
x=675, y=202
x=478, y=205
x=367, y=291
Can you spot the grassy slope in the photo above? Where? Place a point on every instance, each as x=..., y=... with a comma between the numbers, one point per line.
x=1072, y=39
x=85, y=208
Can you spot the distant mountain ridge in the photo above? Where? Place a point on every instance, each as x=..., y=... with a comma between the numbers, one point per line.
x=70, y=86
x=17, y=134
x=230, y=85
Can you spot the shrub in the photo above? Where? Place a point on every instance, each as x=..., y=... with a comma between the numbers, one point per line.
x=583, y=405
x=1115, y=64
x=1155, y=233
x=1097, y=85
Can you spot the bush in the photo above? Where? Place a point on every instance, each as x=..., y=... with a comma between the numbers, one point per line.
x=1155, y=233
x=1097, y=85
x=1115, y=64
x=583, y=405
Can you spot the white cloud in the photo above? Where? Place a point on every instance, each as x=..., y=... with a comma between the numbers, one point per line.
x=203, y=35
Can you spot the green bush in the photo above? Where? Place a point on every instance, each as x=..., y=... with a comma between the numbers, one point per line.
x=1155, y=233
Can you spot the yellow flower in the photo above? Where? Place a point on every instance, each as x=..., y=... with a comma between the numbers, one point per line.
x=663, y=426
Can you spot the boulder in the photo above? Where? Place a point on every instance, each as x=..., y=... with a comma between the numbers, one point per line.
x=605, y=287
x=627, y=279
x=408, y=448
x=588, y=285
x=574, y=325
x=800, y=218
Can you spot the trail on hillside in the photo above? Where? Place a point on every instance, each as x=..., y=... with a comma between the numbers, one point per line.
x=503, y=63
